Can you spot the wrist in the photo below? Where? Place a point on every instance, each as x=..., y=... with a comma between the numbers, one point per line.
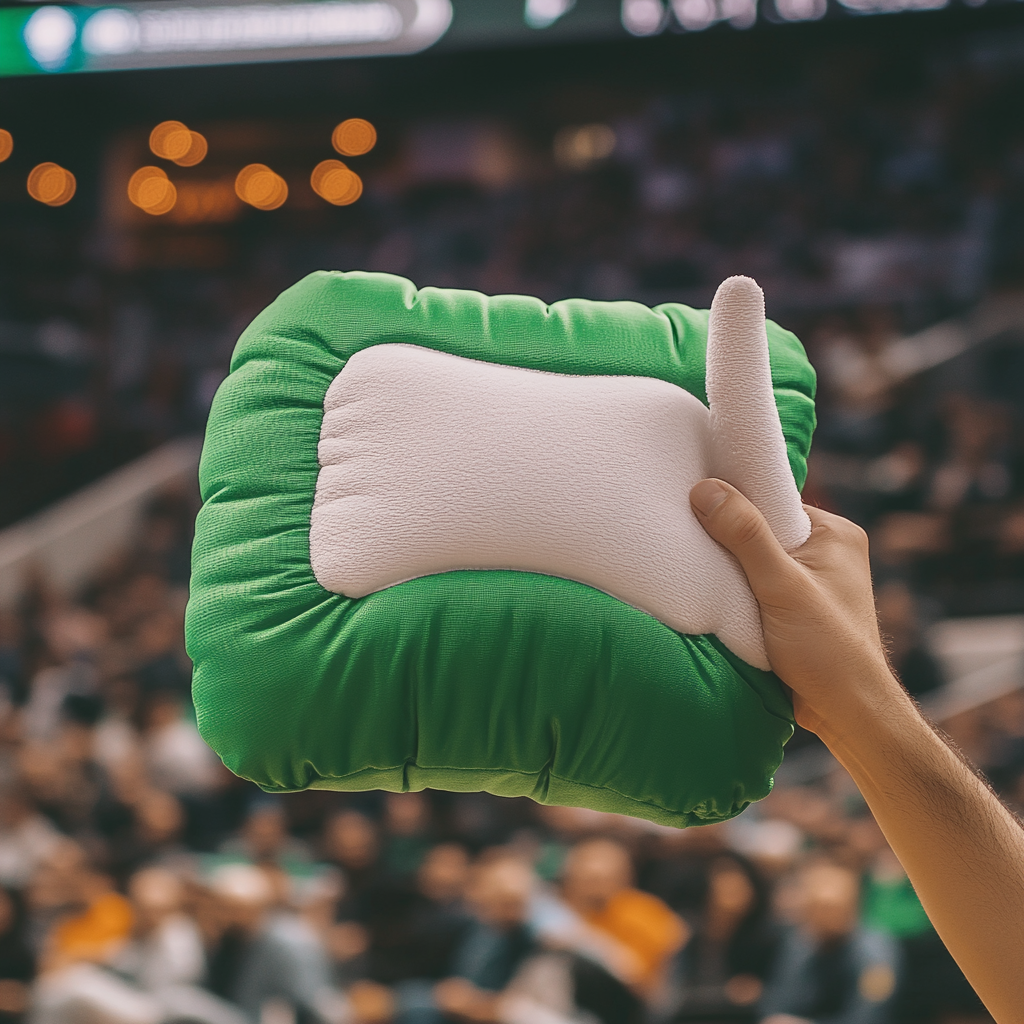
x=865, y=713
x=874, y=742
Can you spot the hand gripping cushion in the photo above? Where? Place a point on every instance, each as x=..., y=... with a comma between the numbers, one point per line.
x=446, y=542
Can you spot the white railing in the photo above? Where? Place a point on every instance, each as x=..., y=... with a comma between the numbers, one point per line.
x=71, y=539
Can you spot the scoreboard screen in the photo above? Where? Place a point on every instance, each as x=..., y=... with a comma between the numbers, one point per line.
x=56, y=38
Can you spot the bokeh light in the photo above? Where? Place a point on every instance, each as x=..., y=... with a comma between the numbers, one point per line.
x=51, y=184
x=354, y=137
x=170, y=140
x=151, y=190
x=259, y=186
x=579, y=147
x=196, y=151
x=333, y=181
x=6, y=144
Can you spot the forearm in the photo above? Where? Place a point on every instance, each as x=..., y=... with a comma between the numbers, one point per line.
x=963, y=851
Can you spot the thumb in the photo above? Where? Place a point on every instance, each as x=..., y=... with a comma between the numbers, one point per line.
x=733, y=521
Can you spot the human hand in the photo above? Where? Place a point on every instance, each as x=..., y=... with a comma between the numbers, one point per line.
x=817, y=607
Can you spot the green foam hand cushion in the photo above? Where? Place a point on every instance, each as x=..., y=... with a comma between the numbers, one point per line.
x=446, y=542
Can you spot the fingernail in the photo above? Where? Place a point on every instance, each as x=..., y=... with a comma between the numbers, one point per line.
x=707, y=495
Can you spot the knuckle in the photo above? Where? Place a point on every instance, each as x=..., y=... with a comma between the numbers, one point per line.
x=849, y=533
x=857, y=536
x=746, y=527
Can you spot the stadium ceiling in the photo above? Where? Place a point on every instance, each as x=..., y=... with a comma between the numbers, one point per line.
x=54, y=38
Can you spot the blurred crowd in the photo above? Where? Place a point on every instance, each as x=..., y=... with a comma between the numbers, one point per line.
x=142, y=883
x=874, y=189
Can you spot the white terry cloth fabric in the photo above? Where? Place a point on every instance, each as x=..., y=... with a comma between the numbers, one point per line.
x=431, y=462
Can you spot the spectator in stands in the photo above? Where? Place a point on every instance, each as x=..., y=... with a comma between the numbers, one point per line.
x=725, y=964
x=497, y=941
x=975, y=463
x=265, y=956
x=26, y=836
x=165, y=957
x=17, y=961
x=494, y=945
x=407, y=828
x=899, y=619
x=828, y=967
x=351, y=842
x=598, y=885
x=166, y=947
x=417, y=925
x=177, y=759
x=264, y=838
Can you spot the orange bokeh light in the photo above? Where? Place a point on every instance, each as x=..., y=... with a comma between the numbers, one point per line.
x=354, y=137
x=333, y=181
x=196, y=152
x=172, y=140
x=6, y=144
x=150, y=190
x=259, y=186
x=51, y=184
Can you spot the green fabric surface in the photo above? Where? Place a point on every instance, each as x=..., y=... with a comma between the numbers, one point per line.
x=513, y=683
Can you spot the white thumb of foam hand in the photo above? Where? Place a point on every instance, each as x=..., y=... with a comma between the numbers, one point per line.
x=748, y=449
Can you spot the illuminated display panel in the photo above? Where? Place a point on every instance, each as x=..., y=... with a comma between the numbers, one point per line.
x=168, y=33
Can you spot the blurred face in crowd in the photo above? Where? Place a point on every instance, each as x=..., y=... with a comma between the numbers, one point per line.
x=443, y=874
x=731, y=894
x=407, y=814
x=73, y=632
x=500, y=893
x=828, y=901
x=158, y=634
x=14, y=808
x=351, y=840
x=76, y=742
x=43, y=771
x=162, y=710
x=145, y=595
x=596, y=871
x=243, y=894
x=159, y=817
x=64, y=879
x=156, y=894
x=266, y=831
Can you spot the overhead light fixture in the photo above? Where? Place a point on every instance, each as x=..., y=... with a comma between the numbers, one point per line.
x=892, y=6
x=244, y=27
x=801, y=10
x=166, y=33
x=643, y=17
x=49, y=36
x=544, y=13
